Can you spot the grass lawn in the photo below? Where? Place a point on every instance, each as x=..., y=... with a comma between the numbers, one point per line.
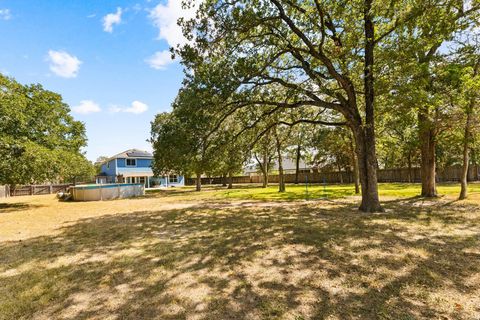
x=242, y=254
x=312, y=192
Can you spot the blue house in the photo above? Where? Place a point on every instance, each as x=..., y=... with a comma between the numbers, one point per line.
x=135, y=166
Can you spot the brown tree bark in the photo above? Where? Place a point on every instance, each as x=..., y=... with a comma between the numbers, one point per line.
x=263, y=164
x=281, y=178
x=409, y=164
x=230, y=180
x=466, y=159
x=353, y=156
x=427, y=134
x=367, y=168
x=297, y=164
x=466, y=141
x=365, y=134
x=224, y=180
x=363, y=128
x=198, y=186
x=340, y=176
x=265, y=170
x=427, y=137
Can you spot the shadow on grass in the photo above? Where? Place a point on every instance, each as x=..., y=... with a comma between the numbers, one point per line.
x=18, y=206
x=255, y=192
x=269, y=261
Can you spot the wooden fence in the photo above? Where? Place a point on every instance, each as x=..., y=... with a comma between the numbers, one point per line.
x=4, y=191
x=449, y=174
x=38, y=189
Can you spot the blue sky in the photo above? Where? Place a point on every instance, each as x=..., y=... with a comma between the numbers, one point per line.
x=107, y=59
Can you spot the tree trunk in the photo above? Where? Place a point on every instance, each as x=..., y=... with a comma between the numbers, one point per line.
x=265, y=170
x=367, y=168
x=199, y=182
x=224, y=180
x=365, y=134
x=409, y=163
x=427, y=135
x=230, y=180
x=297, y=164
x=353, y=156
x=466, y=158
x=340, y=176
x=281, y=178
x=473, y=160
x=467, y=140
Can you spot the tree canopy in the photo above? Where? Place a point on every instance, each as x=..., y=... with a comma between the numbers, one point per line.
x=375, y=68
x=39, y=140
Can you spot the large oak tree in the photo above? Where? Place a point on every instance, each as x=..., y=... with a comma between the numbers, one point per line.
x=39, y=140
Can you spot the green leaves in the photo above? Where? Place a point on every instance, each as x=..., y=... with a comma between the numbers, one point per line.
x=39, y=140
x=255, y=62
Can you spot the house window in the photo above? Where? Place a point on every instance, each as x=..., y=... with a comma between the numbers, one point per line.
x=108, y=165
x=131, y=162
x=173, y=178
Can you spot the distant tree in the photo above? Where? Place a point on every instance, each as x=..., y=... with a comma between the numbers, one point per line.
x=98, y=163
x=320, y=53
x=281, y=138
x=39, y=140
x=264, y=154
x=398, y=143
x=173, y=148
x=297, y=146
x=232, y=151
x=418, y=45
x=472, y=86
x=334, y=150
x=77, y=168
x=182, y=140
x=463, y=87
x=337, y=57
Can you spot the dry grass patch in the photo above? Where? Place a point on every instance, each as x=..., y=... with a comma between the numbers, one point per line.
x=153, y=258
x=31, y=216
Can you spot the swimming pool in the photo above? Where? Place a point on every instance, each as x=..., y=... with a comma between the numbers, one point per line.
x=98, y=192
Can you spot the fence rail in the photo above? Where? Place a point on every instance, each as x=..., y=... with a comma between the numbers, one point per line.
x=38, y=189
x=4, y=191
x=449, y=174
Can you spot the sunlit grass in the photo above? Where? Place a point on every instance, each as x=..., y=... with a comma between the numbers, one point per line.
x=310, y=192
x=169, y=256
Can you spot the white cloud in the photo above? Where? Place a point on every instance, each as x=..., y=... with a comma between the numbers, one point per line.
x=111, y=19
x=137, y=107
x=5, y=14
x=137, y=7
x=165, y=17
x=63, y=64
x=160, y=60
x=87, y=107
x=115, y=109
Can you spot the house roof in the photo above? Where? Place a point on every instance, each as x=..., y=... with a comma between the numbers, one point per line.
x=132, y=153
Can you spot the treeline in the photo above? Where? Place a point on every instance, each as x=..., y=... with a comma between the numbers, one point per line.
x=399, y=79
x=39, y=140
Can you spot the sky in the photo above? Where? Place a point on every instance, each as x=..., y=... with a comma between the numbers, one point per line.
x=108, y=59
